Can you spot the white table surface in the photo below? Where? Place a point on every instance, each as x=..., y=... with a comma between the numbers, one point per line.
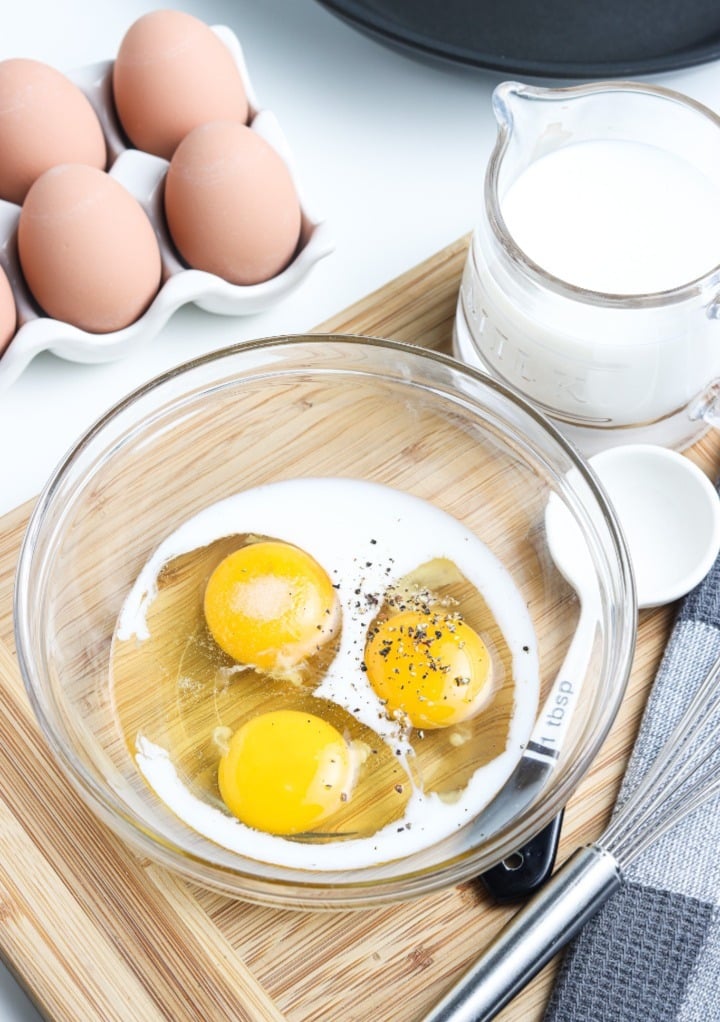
x=391, y=151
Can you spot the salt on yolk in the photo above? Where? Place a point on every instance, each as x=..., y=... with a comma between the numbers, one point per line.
x=432, y=668
x=285, y=771
x=270, y=605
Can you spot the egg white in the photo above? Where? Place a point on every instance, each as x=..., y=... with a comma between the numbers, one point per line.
x=367, y=536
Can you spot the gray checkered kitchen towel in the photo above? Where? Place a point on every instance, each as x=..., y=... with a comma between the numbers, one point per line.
x=652, y=953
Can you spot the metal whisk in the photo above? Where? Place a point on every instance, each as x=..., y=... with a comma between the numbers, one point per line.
x=684, y=774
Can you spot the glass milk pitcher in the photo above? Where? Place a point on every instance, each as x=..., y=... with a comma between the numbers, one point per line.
x=592, y=283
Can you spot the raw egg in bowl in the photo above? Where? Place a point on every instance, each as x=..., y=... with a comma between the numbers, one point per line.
x=290, y=620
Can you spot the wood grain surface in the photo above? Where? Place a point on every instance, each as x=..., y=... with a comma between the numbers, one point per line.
x=94, y=933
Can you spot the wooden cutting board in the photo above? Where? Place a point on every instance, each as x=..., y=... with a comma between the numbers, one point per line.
x=94, y=933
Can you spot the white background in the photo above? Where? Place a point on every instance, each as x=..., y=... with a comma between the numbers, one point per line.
x=390, y=151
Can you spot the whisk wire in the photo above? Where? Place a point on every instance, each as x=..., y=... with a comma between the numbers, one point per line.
x=664, y=796
x=639, y=841
x=686, y=772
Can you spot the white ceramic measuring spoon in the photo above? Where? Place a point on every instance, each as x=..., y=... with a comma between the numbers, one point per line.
x=669, y=513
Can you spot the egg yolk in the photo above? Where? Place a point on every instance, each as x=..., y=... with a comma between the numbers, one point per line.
x=270, y=605
x=431, y=668
x=285, y=771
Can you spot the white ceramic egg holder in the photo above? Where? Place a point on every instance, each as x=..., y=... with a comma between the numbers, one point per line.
x=143, y=175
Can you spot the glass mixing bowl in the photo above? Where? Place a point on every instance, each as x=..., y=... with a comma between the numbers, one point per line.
x=308, y=406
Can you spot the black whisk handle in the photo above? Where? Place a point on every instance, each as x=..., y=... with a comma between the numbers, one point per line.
x=532, y=937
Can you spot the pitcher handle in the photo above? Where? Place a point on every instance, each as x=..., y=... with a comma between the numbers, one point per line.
x=706, y=405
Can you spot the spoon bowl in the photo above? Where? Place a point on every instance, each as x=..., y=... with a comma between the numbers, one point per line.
x=670, y=514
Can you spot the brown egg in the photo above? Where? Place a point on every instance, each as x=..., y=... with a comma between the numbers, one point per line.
x=87, y=249
x=8, y=312
x=44, y=120
x=172, y=73
x=231, y=204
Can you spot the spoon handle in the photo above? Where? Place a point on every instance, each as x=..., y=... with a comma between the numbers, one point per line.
x=532, y=937
x=527, y=869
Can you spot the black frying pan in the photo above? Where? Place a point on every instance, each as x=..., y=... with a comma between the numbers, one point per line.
x=546, y=38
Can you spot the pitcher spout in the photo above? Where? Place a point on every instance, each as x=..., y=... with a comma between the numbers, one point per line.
x=505, y=100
